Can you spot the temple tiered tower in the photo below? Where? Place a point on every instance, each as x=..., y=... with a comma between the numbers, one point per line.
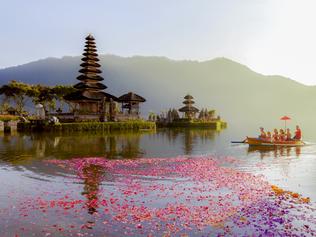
x=90, y=78
x=90, y=97
x=189, y=110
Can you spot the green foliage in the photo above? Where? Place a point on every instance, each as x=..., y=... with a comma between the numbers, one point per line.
x=19, y=92
x=16, y=91
x=105, y=126
x=197, y=124
x=7, y=118
x=95, y=126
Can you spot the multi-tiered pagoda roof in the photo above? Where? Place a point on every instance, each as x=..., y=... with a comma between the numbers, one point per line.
x=90, y=87
x=188, y=108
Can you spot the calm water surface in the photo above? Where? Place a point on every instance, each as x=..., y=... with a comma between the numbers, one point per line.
x=25, y=174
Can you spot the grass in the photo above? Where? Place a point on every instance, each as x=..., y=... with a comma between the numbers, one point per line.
x=198, y=124
x=97, y=126
x=7, y=118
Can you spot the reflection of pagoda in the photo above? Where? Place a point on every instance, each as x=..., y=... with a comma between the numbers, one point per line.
x=189, y=110
x=92, y=175
x=90, y=96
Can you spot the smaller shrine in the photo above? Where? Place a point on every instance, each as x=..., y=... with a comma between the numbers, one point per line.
x=130, y=103
x=192, y=117
x=189, y=110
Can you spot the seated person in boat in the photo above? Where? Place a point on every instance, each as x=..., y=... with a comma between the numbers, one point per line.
x=269, y=137
x=288, y=135
x=263, y=134
x=282, y=135
x=298, y=133
x=275, y=136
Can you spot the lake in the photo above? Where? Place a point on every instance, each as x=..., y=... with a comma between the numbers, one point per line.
x=172, y=182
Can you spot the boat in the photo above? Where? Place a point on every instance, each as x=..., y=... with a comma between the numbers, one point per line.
x=254, y=141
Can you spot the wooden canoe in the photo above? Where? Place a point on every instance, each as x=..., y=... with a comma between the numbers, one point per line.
x=254, y=141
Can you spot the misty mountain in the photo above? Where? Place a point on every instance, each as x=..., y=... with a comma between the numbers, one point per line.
x=241, y=96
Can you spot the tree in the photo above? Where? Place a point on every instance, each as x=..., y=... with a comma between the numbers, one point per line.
x=60, y=91
x=19, y=91
x=175, y=114
x=7, y=95
x=202, y=114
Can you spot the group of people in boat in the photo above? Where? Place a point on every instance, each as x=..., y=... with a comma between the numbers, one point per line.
x=280, y=135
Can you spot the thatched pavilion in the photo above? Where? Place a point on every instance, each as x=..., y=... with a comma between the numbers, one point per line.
x=189, y=110
x=130, y=103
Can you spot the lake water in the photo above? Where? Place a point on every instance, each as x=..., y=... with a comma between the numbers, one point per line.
x=48, y=188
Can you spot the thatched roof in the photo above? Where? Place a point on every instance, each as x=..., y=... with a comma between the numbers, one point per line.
x=89, y=37
x=188, y=102
x=82, y=85
x=90, y=70
x=92, y=58
x=86, y=77
x=90, y=54
x=189, y=109
x=188, y=97
x=90, y=48
x=131, y=97
x=90, y=96
x=90, y=64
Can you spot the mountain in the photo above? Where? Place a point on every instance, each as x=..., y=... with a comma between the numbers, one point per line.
x=241, y=96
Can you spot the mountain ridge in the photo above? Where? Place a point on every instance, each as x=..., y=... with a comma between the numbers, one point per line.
x=218, y=59
x=242, y=96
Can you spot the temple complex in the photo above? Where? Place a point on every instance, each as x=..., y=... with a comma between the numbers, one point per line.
x=192, y=117
x=90, y=102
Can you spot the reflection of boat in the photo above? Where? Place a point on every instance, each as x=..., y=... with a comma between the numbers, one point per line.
x=276, y=151
x=253, y=141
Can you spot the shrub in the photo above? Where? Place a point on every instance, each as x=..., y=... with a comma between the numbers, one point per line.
x=7, y=118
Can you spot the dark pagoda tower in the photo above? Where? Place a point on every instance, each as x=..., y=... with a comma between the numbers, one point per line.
x=90, y=97
x=189, y=110
x=90, y=78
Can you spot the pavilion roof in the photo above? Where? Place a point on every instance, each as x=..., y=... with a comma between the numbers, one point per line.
x=89, y=77
x=87, y=85
x=188, y=97
x=89, y=37
x=189, y=109
x=131, y=97
x=90, y=96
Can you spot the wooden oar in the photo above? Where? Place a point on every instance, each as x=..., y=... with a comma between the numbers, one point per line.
x=238, y=141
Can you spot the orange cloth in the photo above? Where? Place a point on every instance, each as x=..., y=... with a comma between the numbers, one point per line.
x=298, y=134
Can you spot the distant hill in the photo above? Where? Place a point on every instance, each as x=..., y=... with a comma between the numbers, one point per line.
x=242, y=97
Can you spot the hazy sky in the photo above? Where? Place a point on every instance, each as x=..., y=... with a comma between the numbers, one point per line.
x=269, y=36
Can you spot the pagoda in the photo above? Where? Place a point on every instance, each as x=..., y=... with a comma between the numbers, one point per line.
x=89, y=97
x=189, y=110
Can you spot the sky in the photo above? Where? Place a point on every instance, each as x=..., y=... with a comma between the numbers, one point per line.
x=272, y=37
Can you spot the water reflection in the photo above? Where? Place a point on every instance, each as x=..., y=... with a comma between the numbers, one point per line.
x=266, y=151
x=92, y=177
x=190, y=137
x=24, y=148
